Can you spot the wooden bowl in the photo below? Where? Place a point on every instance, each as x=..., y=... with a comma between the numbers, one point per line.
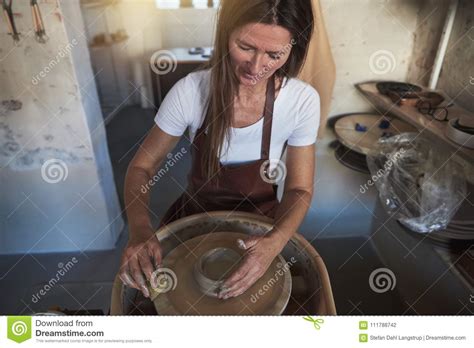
x=413, y=99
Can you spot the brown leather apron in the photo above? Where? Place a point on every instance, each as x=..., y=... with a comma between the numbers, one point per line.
x=236, y=187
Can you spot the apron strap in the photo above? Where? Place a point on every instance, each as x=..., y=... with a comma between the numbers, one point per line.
x=267, y=119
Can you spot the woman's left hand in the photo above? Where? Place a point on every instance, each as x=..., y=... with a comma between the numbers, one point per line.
x=261, y=250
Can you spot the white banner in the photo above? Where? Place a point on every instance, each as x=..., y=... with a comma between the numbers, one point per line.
x=229, y=332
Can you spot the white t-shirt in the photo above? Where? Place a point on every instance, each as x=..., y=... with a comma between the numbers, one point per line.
x=296, y=117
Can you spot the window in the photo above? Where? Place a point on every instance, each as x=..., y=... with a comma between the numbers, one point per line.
x=174, y=4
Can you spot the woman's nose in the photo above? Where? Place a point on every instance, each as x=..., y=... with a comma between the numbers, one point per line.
x=256, y=64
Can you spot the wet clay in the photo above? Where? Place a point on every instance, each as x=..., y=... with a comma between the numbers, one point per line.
x=219, y=263
x=269, y=295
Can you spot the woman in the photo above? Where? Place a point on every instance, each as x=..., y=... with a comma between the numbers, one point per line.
x=243, y=110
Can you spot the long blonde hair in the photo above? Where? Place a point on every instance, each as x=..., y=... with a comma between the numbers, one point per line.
x=294, y=15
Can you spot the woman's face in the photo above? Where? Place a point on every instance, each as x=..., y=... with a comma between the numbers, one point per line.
x=258, y=50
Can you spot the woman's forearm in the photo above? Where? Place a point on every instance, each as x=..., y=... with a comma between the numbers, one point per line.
x=137, y=200
x=290, y=214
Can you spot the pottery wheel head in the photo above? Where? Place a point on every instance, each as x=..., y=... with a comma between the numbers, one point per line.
x=200, y=266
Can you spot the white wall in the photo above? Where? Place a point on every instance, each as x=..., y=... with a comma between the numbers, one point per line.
x=358, y=30
x=457, y=74
x=57, y=117
x=371, y=40
x=149, y=29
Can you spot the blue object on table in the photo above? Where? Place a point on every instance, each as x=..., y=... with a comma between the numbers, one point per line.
x=360, y=128
x=384, y=124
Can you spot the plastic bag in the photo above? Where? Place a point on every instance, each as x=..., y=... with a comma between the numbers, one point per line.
x=419, y=182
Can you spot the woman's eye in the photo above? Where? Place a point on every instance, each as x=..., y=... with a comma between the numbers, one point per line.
x=245, y=48
x=274, y=56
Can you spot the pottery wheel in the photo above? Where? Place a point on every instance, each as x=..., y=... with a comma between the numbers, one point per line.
x=268, y=296
x=365, y=141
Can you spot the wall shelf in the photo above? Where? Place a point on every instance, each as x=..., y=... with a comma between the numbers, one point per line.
x=411, y=115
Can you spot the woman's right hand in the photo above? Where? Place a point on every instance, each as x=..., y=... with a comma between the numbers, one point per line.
x=141, y=257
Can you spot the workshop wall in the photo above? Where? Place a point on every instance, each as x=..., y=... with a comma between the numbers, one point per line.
x=57, y=190
x=370, y=39
x=457, y=74
x=125, y=67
